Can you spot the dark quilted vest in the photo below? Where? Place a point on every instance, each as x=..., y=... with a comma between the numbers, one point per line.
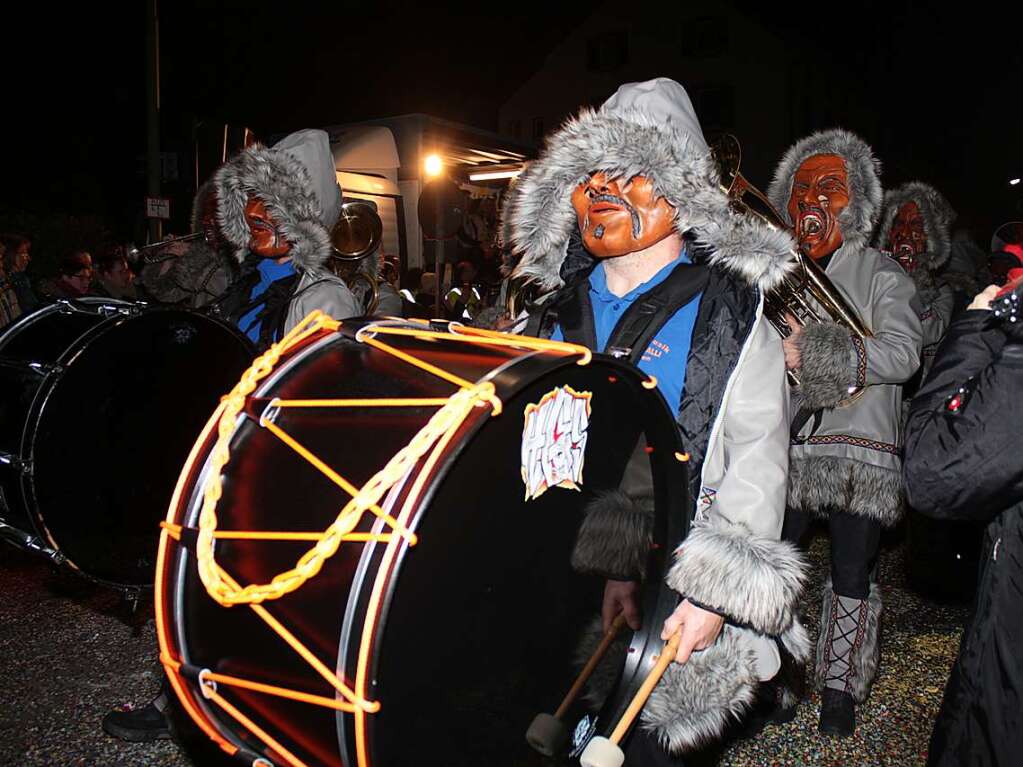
x=724, y=322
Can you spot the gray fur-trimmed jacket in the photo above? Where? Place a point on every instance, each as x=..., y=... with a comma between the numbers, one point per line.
x=733, y=417
x=934, y=295
x=295, y=180
x=849, y=458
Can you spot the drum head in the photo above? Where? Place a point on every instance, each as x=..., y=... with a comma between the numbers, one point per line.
x=112, y=430
x=480, y=620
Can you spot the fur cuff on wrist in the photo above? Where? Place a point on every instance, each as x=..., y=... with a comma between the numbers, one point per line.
x=695, y=702
x=615, y=537
x=826, y=373
x=754, y=581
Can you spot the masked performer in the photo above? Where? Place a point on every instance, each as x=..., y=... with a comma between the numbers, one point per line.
x=845, y=460
x=191, y=273
x=625, y=205
x=914, y=229
x=276, y=207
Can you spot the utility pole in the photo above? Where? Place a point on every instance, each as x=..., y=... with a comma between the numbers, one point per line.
x=153, y=113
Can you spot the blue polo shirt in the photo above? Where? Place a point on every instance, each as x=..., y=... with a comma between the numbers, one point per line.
x=269, y=272
x=666, y=356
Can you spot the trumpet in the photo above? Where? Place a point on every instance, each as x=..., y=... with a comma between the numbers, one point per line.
x=806, y=293
x=135, y=254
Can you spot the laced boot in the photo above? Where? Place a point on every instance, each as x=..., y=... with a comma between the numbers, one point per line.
x=843, y=635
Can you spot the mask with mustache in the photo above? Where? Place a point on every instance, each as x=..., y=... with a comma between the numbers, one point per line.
x=265, y=237
x=618, y=216
x=820, y=192
x=907, y=238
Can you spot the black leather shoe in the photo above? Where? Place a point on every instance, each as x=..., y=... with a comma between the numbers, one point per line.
x=838, y=713
x=767, y=709
x=139, y=725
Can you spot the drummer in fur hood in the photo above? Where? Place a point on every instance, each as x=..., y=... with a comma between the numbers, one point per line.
x=624, y=209
x=276, y=206
x=846, y=447
x=915, y=231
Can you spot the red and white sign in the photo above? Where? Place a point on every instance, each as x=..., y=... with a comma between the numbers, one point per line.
x=158, y=207
x=554, y=441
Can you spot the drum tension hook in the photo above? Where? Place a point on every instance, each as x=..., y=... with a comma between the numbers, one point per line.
x=16, y=462
x=41, y=369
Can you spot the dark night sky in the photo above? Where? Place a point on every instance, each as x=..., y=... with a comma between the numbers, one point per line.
x=75, y=109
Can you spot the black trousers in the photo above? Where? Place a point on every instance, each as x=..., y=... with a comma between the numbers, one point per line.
x=854, y=545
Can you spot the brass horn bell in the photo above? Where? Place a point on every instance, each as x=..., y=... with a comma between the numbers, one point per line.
x=356, y=236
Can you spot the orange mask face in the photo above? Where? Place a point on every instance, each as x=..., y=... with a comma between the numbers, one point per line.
x=265, y=238
x=820, y=192
x=907, y=238
x=618, y=217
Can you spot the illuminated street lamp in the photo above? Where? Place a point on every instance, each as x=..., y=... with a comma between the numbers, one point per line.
x=433, y=165
x=1013, y=181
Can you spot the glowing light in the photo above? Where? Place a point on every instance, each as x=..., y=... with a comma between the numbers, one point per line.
x=433, y=165
x=492, y=175
x=1013, y=181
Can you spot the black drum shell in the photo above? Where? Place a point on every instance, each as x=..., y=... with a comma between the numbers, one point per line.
x=104, y=430
x=480, y=619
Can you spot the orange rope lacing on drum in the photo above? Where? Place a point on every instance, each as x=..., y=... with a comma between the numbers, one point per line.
x=438, y=431
x=445, y=421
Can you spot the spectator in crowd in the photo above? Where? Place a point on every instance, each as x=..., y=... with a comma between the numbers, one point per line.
x=114, y=278
x=963, y=442
x=73, y=278
x=427, y=294
x=9, y=309
x=966, y=270
x=16, y=260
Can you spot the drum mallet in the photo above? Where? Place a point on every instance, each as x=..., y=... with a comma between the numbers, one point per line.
x=548, y=734
x=605, y=752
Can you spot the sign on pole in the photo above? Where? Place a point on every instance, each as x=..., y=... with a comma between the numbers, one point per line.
x=158, y=207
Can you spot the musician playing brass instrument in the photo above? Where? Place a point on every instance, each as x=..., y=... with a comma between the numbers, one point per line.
x=914, y=229
x=845, y=457
x=277, y=206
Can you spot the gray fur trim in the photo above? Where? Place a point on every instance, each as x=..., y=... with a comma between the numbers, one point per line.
x=283, y=184
x=864, y=171
x=615, y=537
x=866, y=658
x=753, y=580
x=820, y=484
x=937, y=214
x=538, y=217
x=797, y=642
x=826, y=370
x=602, y=681
x=694, y=702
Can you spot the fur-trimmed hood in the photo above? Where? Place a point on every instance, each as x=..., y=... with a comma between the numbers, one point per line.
x=937, y=214
x=653, y=134
x=296, y=180
x=864, y=171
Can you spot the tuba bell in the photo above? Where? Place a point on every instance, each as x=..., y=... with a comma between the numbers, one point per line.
x=354, y=238
x=806, y=293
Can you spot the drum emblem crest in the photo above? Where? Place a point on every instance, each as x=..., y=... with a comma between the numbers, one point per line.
x=554, y=441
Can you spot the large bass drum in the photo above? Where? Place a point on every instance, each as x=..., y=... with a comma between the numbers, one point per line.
x=367, y=559
x=99, y=403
